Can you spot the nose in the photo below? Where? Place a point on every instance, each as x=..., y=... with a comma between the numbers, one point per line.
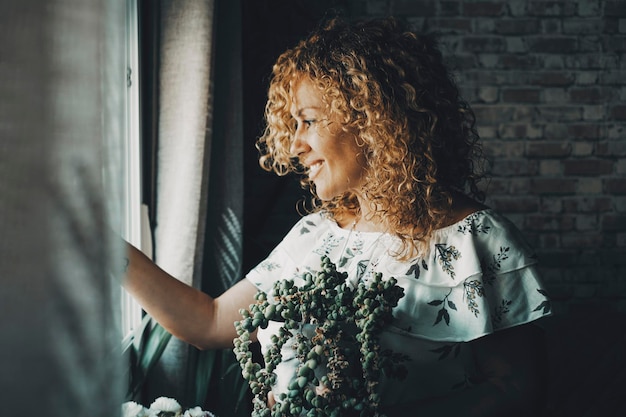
x=299, y=144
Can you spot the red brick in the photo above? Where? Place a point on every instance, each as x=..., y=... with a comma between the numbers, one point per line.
x=517, y=26
x=515, y=61
x=518, y=186
x=587, y=204
x=614, y=8
x=583, y=26
x=598, y=61
x=581, y=240
x=587, y=167
x=613, y=223
x=484, y=8
x=551, y=26
x=414, y=8
x=515, y=204
x=493, y=114
x=549, y=222
x=519, y=131
x=614, y=185
x=449, y=8
x=620, y=204
x=514, y=167
x=615, y=43
x=550, y=240
x=495, y=186
x=548, y=149
x=586, y=222
x=552, y=8
x=553, y=78
x=583, y=131
x=551, y=204
x=611, y=148
x=498, y=148
x=521, y=95
x=560, y=113
x=613, y=77
x=452, y=25
x=591, y=44
x=611, y=25
x=553, y=186
x=589, y=186
x=591, y=95
x=617, y=112
x=556, y=131
x=553, y=44
x=483, y=44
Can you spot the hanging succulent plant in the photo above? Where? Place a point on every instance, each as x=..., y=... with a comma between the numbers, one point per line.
x=334, y=330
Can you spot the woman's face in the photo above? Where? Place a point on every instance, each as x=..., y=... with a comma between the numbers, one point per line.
x=333, y=160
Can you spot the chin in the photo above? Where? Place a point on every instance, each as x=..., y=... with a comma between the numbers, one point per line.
x=325, y=196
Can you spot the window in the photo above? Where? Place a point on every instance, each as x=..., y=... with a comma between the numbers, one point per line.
x=136, y=228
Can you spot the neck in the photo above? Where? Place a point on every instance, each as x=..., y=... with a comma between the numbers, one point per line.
x=366, y=220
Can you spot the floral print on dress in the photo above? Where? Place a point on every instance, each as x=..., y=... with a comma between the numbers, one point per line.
x=491, y=269
x=470, y=225
x=269, y=265
x=478, y=276
x=545, y=305
x=351, y=251
x=443, y=313
x=414, y=269
x=448, y=351
x=445, y=254
x=473, y=289
x=329, y=243
x=306, y=226
x=500, y=311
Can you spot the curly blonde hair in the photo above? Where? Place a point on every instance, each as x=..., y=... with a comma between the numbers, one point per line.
x=391, y=86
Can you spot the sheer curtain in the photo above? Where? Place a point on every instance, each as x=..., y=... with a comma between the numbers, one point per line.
x=61, y=115
x=199, y=173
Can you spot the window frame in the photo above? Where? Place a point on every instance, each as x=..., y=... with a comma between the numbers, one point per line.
x=135, y=225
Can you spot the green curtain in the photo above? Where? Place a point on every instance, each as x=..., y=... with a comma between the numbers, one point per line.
x=61, y=122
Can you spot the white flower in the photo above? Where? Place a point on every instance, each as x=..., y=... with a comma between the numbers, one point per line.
x=166, y=404
x=132, y=409
x=197, y=412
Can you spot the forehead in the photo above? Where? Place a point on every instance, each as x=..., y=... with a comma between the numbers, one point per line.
x=305, y=95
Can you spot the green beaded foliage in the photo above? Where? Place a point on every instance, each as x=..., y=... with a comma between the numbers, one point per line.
x=341, y=363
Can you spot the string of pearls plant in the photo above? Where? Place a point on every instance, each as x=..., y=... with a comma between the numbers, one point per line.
x=340, y=365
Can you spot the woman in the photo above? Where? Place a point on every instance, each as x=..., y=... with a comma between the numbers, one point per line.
x=370, y=117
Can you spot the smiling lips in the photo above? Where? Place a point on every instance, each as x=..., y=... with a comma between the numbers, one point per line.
x=315, y=168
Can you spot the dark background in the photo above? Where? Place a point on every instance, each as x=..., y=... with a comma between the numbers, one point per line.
x=546, y=81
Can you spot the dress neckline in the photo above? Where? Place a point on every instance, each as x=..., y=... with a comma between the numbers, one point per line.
x=348, y=230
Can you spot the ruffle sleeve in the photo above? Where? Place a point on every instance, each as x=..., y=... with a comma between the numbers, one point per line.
x=479, y=276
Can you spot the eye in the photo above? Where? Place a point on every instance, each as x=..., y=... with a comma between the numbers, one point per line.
x=305, y=123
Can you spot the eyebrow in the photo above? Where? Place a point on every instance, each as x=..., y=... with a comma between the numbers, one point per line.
x=303, y=109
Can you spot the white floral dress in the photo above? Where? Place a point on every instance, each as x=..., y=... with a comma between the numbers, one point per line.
x=479, y=276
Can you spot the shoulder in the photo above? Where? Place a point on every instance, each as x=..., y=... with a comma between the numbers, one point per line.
x=462, y=207
x=479, y=240
x=309, y=226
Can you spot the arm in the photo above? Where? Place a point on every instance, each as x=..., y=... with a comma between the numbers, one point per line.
x=184, y=311
x=513, y=364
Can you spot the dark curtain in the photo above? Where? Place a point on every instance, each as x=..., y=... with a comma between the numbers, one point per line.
x=198, y=233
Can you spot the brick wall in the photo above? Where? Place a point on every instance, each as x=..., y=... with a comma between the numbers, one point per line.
x=546, y=80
